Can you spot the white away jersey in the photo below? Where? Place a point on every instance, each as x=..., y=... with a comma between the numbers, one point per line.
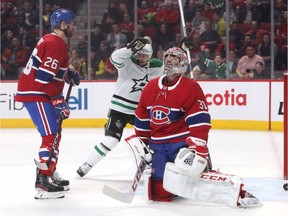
x=131, y=79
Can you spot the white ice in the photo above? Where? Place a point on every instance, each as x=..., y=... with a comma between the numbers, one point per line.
x=256, y=156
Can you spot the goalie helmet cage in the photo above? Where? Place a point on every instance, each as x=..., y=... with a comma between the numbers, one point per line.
x=285, y=122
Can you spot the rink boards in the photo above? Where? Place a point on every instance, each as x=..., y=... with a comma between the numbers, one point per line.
x=252, y=105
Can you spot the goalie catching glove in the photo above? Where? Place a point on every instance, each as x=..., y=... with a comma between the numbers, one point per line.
x=193, y=158
x=137, y=44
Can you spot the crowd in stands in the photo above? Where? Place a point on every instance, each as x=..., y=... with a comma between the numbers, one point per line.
x=249, y=51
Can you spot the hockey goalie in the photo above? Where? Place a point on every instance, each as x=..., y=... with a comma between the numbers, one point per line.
x=172, y=120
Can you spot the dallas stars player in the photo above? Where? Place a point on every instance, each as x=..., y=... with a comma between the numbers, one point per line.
x=135, y=69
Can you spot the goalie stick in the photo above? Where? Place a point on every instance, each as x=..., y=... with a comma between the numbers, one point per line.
x=127, y=195
x=46, y=166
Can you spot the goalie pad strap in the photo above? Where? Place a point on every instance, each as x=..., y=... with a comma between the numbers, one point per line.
x=213, y=186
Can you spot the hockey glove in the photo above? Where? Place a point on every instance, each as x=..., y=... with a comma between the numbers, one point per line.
x=71, y=76
x=198, y=146
x=137, y=44
x=193, y=158
x=186, y=44
x=60, y=106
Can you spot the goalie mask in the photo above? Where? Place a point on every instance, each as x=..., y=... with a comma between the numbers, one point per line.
x=175, y=61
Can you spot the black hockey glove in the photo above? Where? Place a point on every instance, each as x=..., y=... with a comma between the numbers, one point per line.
x=137, y=44
x=71, y=76
x=185, y=44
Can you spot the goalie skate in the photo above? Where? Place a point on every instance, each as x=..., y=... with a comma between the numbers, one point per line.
x=249, y=201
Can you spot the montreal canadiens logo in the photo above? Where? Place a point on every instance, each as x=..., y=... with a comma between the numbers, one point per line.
x=159, y=115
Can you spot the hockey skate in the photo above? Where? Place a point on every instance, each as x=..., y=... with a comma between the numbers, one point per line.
x=248, y=201
x=57, y=179
x=46, y=188
x=84, y=169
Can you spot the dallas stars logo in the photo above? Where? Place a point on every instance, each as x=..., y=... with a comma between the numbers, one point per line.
x=139, y=84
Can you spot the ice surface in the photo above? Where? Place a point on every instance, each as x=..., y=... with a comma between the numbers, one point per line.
x=255, y=156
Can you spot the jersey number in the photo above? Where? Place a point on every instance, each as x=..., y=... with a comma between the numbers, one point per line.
x=202, y=105
x=49, y=63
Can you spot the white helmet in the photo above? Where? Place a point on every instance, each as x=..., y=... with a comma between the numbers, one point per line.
x=172, y=68
x=146, y=50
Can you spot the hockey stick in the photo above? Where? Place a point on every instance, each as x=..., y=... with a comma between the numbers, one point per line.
x=185, y=35
x=128, y=195
x=46, y=166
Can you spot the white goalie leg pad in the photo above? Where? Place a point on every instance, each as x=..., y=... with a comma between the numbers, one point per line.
x=213, y=187
x=147, y=184
x=139, y=149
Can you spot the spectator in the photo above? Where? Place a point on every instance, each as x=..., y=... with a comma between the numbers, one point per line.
x=232, y=14
x=46, y=16
x=256, y=32
x=96, y=36
x=198, y=22
x=219, y=24
x=210, y=37
x=264, y=50
x=215, y=69
x=146, y=14
x=127, y=27
x=195, y=52
x=14, y=58
x=111, y=13
x=82, y=47
x=6, y=39
x=242, y=51
x=100, y=59
x=279, y=11
x=123, y=9
x=232, y=64
x=248, y=13
x=27, y=39
x=236, y=36
x=30, y=16
x=207, y=12
x=74, y=60
x=260, y=72
x=189, y=12
x=164, y=36
x=115, y=38
x=110, y=71
x=168, y=14
x=247, y=62
x=221, y=48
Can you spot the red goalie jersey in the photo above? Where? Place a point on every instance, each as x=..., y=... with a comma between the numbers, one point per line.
x=43, y=75
x=172, y=113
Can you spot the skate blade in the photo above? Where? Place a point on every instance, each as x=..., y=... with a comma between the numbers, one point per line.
x=41, y=194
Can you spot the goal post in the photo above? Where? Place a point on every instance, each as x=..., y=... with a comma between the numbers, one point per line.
x=285, y=122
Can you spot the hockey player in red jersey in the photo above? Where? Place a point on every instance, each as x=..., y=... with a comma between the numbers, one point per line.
x=172, y=118
x=40, y=89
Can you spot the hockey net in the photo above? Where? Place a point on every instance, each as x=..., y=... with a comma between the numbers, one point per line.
x=285, y=121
